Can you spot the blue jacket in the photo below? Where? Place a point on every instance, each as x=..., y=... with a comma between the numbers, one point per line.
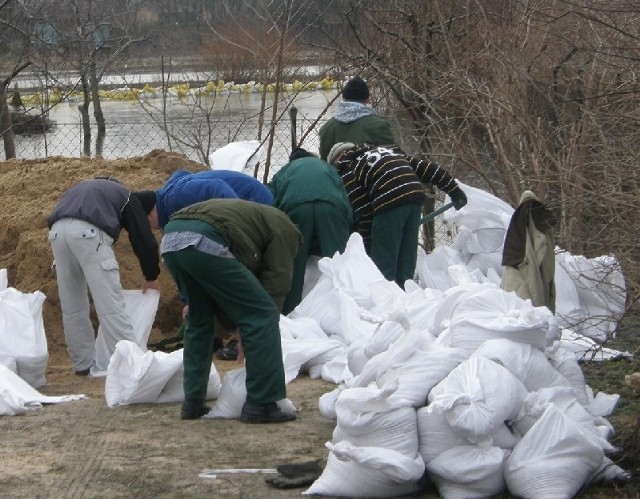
x=185, y=188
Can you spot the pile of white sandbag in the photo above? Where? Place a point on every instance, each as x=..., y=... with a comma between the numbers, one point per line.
x=462, y=380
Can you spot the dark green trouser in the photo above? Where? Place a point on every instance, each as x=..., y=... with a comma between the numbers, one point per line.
x=325, y=230
x=205, y=280
x=394, y=242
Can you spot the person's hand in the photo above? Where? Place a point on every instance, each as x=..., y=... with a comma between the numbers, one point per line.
x=147, y=285
x=185, y=311
x=458, y=198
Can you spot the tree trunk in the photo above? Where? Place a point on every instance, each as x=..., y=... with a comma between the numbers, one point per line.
x=84, y=113
x=5, y=125
x=95, y=98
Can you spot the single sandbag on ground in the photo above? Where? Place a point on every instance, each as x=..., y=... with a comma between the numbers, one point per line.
x=17, y=396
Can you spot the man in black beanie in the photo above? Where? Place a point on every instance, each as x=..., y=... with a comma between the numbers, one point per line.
x=83, y=226
x=355, y=120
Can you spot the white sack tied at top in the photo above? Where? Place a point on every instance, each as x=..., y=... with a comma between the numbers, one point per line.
x=494, y=313
x=353, y=471
x=477, y=397
x=141, y=309
x=136, y=376
x=374, y=417
x=17, y=396
x=22, y=334
x=233, y=394
x=555, y=459
x=239, y=156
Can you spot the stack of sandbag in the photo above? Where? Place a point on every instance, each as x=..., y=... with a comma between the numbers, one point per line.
x=479, y=369
x=374, y=449
x=22, y=335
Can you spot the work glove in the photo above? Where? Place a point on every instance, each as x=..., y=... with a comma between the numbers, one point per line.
x=295, y=475
x=458, y=198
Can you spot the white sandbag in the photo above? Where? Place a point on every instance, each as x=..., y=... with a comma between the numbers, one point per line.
x=451, y=298
x=22, y=334
x=563, y=398
x=141, y=308
x=233, y=394
x=304, y=343
x=135, y=376
x=239, y=156
x=17, y=396
x=4, y=282
x=554, y=460
x=469, y=471
x=525, y=362
x=373, y=417
x=601, y=290
x=327, y=403
x=367, y=472
x=432, y=268
x=603, y=404
x=494, y=313
x=566, y=364
x=435, y=435
x=587, y=349
x=478, y=396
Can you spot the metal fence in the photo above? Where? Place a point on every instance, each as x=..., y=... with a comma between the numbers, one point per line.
x=196, y=139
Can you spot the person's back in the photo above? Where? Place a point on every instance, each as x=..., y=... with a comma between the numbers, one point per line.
x=355, y=121
x=306, y=180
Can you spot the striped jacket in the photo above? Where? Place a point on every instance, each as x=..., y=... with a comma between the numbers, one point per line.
x=384, y=177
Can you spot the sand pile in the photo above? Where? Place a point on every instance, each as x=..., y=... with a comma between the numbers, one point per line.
x=28, y=191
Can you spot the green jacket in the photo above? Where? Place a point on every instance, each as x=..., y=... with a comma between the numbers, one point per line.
x=261, y=237
x=306, y=180
x=371, y=129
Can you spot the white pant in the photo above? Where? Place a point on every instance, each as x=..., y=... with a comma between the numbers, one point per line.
x=84, y=257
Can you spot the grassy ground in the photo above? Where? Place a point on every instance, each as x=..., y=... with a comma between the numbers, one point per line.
x=609, y=377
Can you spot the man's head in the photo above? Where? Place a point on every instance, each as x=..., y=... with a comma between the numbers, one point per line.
x=355, y=90
x=148, y=201
x=299, y=152
x=337, y=151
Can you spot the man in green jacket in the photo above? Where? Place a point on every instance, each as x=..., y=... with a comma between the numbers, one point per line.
x=355, y=120
x=236, y=256
x=312, y=194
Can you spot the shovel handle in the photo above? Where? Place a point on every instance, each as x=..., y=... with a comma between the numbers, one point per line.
x=435, y=213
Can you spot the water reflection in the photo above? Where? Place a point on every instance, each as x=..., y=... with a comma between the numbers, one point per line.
x=195, y=126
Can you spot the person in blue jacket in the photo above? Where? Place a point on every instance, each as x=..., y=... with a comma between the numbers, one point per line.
x=185, y=188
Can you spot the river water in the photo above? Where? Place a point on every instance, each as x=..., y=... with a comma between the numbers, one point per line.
x=136, y=127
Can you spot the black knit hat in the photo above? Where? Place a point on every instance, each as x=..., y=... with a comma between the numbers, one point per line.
x=355, y=89
x=147, y=199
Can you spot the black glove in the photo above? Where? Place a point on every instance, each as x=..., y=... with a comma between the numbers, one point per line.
x=458, y=198
x=295, y=475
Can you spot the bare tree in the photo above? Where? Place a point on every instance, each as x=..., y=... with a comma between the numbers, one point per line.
x=514, y=96
x=92, y=37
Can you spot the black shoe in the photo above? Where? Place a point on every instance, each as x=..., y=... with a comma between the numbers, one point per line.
x=193, y=409
x=83, y=372
x=229, y=352
x=264, y=413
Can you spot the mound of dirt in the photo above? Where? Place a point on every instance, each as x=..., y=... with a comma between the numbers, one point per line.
x=28, y=191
